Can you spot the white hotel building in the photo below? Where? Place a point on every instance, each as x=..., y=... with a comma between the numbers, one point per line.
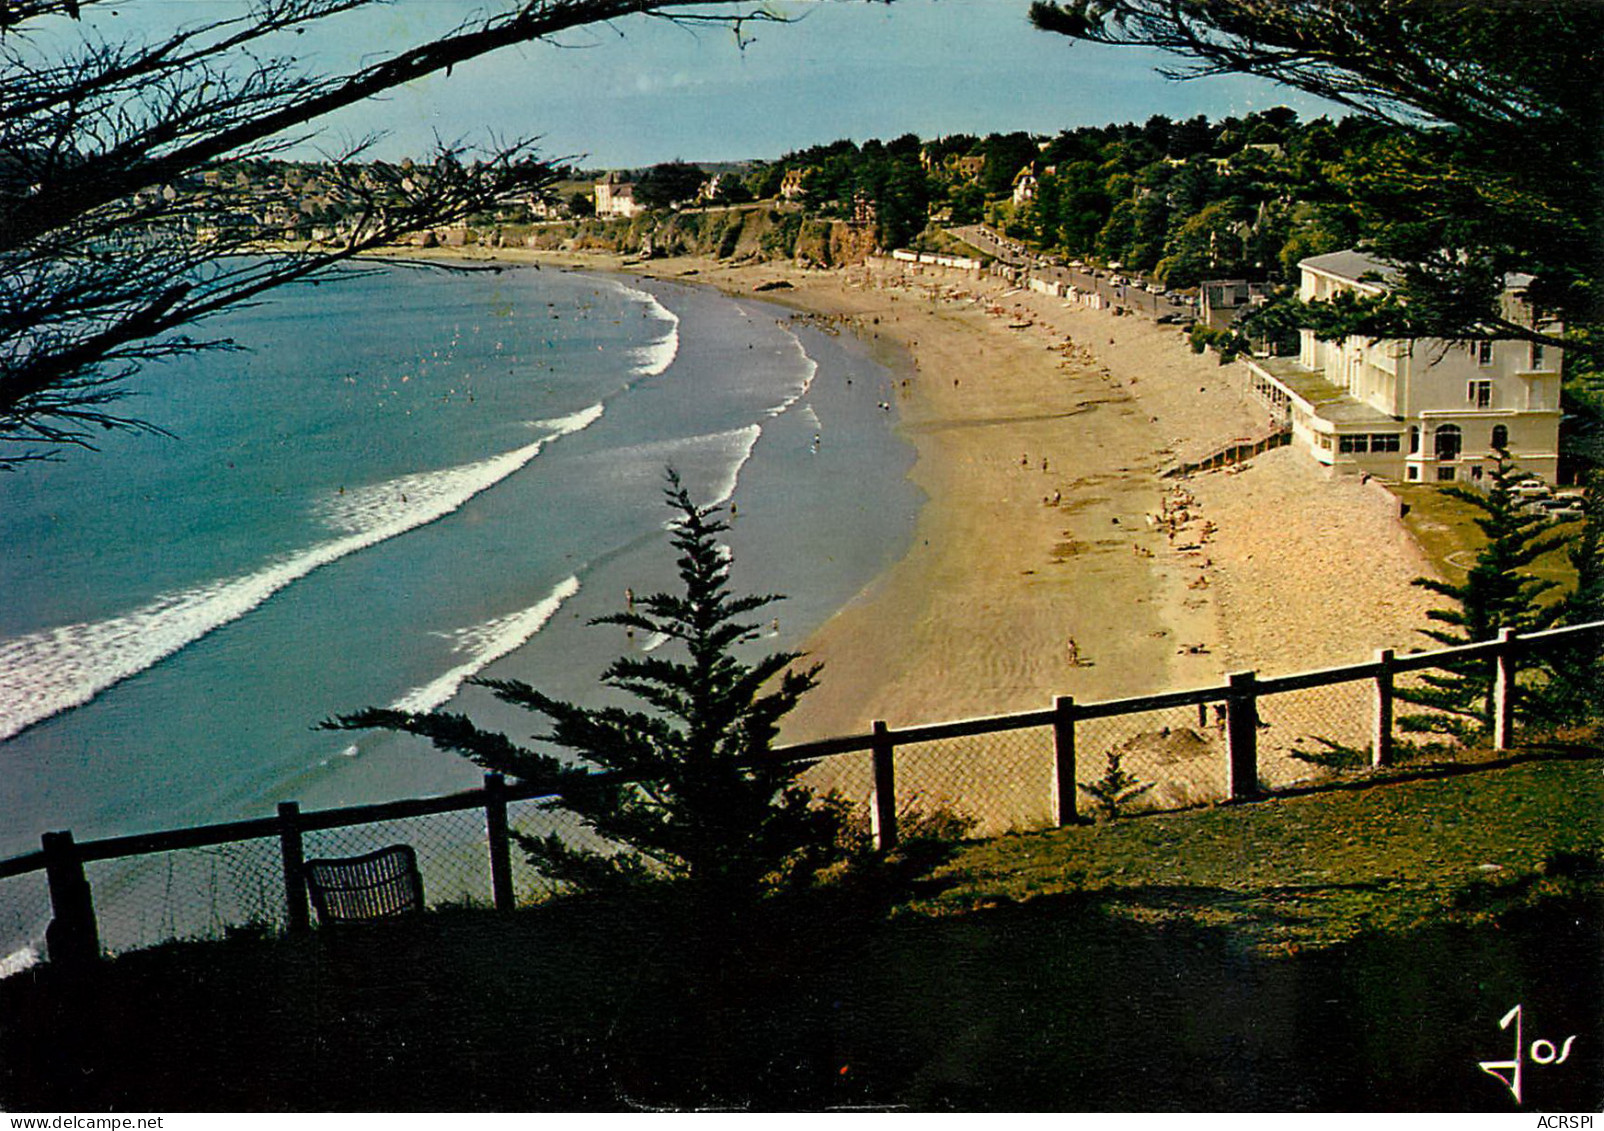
x=1416, y=411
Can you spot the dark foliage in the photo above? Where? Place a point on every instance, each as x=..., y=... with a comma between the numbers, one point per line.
x=668, y=184
x=1499, y=592
x=1493, y=167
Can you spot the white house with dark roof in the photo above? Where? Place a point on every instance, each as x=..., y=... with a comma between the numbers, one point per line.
x=615, y=196
x=1417, y=411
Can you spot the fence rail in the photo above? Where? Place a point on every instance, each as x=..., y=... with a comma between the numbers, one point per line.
x=1159, y=751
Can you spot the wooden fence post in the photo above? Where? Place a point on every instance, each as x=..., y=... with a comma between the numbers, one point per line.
x=297, y=914
x=1065, y=807
x=1242, y=735
x=72, y=938
x=1504, y=692
x=1381, y=736
x=885, y=790
x=501, y=891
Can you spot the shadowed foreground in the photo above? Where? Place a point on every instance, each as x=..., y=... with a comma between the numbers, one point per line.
x=1044, y=1005
x=1353, y=948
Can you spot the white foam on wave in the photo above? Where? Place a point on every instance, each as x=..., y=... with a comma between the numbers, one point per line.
x=382, y=505
x=656, y=356
x=573, y=422
x=734, y=445
x=485, y=644
x=809, y=369
x=740, y=443
x=45, y=673
x=18, y=961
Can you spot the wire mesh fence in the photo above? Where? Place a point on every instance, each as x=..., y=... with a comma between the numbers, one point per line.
x=453, y=852
x=1314, y=732
x=191, y=893
x=990, y=784
x=1000, y=776
x=538, y=819
x=24, y=915
x=1147, y=760
x=850, y=777
x=1423, y=726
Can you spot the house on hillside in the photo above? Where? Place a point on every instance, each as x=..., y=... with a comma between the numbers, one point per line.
x=967, y=169
x=1025, y=185
x=791, y=184
x=1416, y=411
x=615, y=196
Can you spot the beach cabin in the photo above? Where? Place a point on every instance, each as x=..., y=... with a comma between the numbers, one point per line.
x=1223, y=301
x=1416, y=411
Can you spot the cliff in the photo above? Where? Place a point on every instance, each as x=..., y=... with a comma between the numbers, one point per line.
x=744, y=233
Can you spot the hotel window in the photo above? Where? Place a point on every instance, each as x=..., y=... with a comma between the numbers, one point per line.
x=1500, y=437
x=1445, y=474
x=1446, y=442
x=1479, y=393
x=1384, y=442
x=1537, y=355
x=1484, y=353
x=1414, y=440
x=1360, y=443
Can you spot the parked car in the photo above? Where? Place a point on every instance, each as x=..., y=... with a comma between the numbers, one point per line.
x=1564, y=508
x=1529, y=489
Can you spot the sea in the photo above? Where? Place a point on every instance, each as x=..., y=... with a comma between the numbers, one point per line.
x=392, y=483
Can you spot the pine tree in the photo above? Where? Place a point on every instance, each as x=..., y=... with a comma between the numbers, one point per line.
x=1116, y=788
x=686, y=789
x=1574, y=688
x=1497, y=593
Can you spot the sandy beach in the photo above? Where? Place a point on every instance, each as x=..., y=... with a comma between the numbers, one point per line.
x=1053, y=556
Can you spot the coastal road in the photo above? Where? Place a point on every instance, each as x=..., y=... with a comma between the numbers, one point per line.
x=1131, y=295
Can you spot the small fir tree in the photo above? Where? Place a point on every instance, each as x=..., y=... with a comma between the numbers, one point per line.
x=687, y=790
x=1497, y=593
x=1116, y=789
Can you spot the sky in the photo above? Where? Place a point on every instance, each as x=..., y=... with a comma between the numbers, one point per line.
x=644, y=90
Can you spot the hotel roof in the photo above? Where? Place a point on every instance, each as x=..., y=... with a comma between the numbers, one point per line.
x=1355, y=266
x=1367, y=270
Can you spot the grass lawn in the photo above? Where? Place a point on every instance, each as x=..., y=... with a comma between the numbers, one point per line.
x=1348, y=949
x=1310, y=870
x=1445, y=529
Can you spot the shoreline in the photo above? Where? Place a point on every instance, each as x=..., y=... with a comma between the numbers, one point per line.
x=1043, y=563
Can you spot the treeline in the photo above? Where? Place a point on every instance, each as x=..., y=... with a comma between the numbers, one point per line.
x=1179, y=200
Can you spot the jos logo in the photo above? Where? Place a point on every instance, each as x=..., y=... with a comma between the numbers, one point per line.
x=1541, y=1052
